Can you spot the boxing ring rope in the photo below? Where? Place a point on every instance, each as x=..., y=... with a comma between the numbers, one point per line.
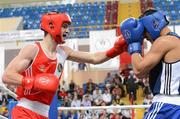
x=2, y=117
x=104, y=107
x=5, y=89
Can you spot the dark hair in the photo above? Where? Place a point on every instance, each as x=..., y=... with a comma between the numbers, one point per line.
x=149, y=11
x=45, y=33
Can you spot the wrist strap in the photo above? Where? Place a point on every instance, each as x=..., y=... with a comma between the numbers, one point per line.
x=28, y=82
x=134, y=48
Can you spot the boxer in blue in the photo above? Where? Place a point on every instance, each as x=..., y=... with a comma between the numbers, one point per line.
x=161, y=63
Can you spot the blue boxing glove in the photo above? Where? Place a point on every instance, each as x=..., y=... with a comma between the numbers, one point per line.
x=133, y=32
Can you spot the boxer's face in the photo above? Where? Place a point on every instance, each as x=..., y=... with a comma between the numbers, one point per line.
x=65, y=30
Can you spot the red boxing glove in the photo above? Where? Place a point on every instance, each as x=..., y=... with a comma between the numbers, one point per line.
x=45, y=82
x=119, y=47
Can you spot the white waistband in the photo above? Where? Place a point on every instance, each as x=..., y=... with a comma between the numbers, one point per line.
x=34, y=106
x=171, y=99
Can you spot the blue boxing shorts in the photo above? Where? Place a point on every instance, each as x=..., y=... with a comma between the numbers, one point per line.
x=160, y=110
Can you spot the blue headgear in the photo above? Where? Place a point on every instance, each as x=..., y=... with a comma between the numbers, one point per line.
x=154, y=23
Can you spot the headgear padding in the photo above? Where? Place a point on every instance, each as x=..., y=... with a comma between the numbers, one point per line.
x=154, y=23
x=52, y=23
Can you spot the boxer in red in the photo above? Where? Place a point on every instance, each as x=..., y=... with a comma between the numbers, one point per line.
x=37, y=68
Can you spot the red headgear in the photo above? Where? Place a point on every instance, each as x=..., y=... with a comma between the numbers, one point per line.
x=52, y=23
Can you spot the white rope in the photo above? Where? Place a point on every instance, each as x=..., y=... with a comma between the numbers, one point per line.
x=104, y=107
x=5, y=89
x=2, y=117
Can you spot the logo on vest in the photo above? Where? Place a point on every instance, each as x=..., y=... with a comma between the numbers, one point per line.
x=60, y=67
x=42, y=68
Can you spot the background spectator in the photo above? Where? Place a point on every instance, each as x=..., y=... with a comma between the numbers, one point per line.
x=82, y=66
x=62, y=94
x=64, y=85
x=3, y=109
x=90, y=86
x=71, y=86
x=97, y=96
x=106, y=96
x=86, y=102
x=131, y=86
x=75, y=102
x=108, y=78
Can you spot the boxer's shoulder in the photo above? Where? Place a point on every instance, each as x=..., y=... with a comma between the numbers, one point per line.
x=29, y=50
x=167, y=40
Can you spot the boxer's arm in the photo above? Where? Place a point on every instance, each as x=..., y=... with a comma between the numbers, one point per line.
x=97, y=57
x=142, y=66
x=85, y=57
x=12, y=74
